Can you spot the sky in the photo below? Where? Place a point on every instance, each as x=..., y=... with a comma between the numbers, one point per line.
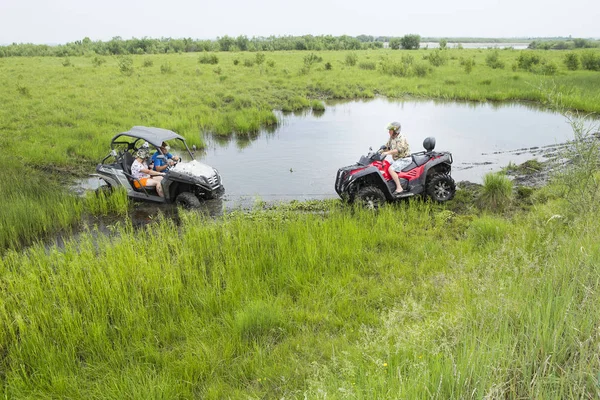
x=63, y=21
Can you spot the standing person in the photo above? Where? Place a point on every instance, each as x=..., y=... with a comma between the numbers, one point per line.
x=398, y=148
x=161, y=164
x=146, y=176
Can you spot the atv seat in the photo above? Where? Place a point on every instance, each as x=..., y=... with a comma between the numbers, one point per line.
x=417, y=161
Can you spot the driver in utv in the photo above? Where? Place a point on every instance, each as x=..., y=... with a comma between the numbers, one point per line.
x=398, y=148
x=162, y=163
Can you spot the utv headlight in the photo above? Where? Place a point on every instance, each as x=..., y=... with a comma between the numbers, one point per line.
x=202, y=180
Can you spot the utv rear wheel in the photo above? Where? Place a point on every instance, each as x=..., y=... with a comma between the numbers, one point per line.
x=370, y=197
x=187, y=200
x=441, y=188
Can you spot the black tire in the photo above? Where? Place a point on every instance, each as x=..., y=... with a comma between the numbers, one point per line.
x=104, y=190
x=370, y=197
x=187, y=200
x=441, y=187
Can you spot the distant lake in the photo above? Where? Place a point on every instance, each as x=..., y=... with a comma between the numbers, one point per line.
x=453, y=45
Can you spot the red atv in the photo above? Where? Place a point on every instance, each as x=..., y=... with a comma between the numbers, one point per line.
x=369, y=182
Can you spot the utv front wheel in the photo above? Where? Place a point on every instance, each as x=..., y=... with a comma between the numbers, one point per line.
x=104, y=190
x=441, y=188
x=370, y=197
x=187, y=200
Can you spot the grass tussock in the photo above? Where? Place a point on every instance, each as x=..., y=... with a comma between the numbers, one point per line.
x=497, y=192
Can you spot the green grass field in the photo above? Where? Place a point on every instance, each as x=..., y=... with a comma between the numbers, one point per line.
x=314, y=300
x=281, y=304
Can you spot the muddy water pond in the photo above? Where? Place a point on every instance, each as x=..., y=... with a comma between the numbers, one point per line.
x=300, y=158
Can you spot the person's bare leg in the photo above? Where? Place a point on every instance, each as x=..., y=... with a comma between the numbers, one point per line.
x=159, y=188
x=394, y=176
x=155, y=182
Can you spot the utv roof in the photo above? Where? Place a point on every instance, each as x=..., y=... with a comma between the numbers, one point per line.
x=154, y=136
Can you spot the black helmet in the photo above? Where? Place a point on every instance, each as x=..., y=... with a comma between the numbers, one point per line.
x=394, y=126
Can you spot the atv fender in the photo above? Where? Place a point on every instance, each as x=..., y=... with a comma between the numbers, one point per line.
x=370, y=176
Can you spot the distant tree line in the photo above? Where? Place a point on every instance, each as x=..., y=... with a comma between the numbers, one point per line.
x=119, y=46
x=568, y=44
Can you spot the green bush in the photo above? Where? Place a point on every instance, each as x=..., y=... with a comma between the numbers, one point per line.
x=148, y=63
x=547, y=68
x=259, y=58
x=590, y=60
x=493, y=60
x=166, y=68
x=367, y=65
x=66, y=62
x=311, y=59
x=407, y=59
x=248, y=62
x=467, y=64
x=388, y=67
x=125, y=64
x=208, y=59
x=527, y=60
x=328, y=66
x=351, y=59
x=420, y=70
x=395, y=43
x=98, y=61
x=317, y=105
x=571, y=61
x=496, y=193
x=437, y=58
x=410, y=42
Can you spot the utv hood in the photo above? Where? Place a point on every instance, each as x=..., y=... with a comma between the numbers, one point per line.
x=194, y=169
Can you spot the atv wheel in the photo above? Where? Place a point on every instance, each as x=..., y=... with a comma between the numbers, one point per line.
x=441, y=188
x=370, y=197
x=187, y=200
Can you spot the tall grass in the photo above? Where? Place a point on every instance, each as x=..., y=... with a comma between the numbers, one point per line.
x=283, y=304
x=39, y=205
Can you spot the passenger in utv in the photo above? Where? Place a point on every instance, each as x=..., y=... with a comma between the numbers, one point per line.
x=161, y=164
x=398, y=148
x=146, y=176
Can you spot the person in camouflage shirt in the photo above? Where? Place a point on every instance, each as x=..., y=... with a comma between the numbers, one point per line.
x=398, y=148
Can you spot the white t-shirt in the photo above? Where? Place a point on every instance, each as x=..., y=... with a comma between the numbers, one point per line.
x=136, y=168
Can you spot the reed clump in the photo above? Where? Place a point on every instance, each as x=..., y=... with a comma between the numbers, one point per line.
x=496, y=193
